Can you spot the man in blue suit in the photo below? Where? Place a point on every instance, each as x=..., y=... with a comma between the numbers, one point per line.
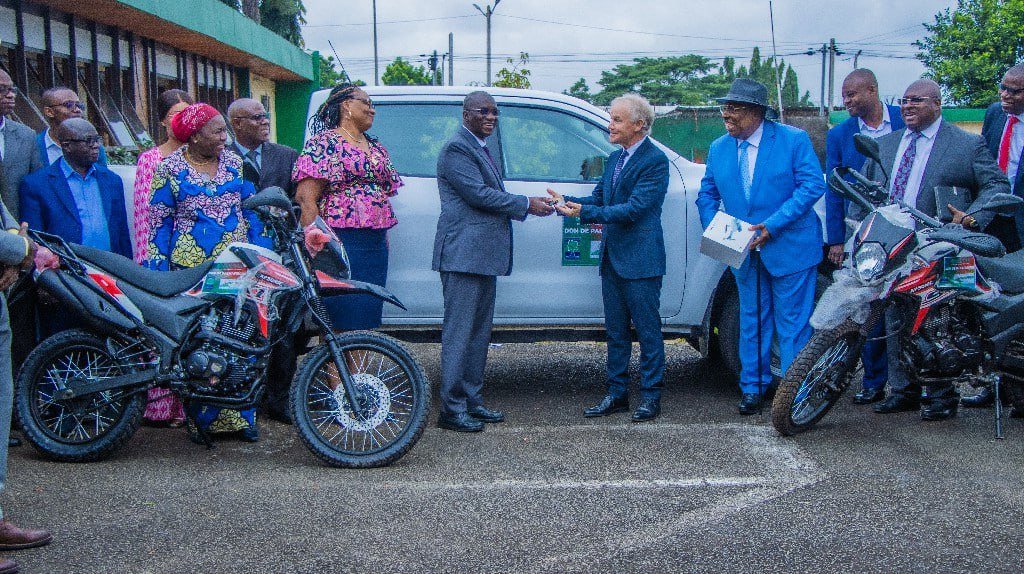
x=76, y=197
x=59, y=103
x=628, y=202
x=1004, y=136
x=766, y=174
x=868, y=116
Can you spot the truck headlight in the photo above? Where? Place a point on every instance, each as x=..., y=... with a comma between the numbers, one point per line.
x=869, y=262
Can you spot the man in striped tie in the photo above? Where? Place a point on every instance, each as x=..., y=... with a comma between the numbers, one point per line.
x=628, y=202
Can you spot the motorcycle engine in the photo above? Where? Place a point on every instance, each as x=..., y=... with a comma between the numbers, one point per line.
x=945, y=346
x=216, y=368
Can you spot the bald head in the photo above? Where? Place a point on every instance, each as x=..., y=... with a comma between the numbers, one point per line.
x=250, y=122
x=862, y=76
x=80, y=143
x=59, y=104
x=240, y=107
x=926, y=88
x=922, y=104
x=860, y=96
x=480, y=114
x=1011, y=91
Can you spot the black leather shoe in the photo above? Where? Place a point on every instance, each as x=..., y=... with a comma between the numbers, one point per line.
x=868, y=396
x=486, y=415
x=897, y=403
x=749, y=404
x=939, y=410
x=985, y=398
x=459, y=422
x=648, y=410
x=13, y=442
x=608, y=405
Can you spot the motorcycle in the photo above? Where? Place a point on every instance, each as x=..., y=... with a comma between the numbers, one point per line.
x=358, y=400
x=957, y=297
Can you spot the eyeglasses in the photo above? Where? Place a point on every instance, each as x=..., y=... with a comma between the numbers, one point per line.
x=366, y=101
x=486, y=111
x=70, y=105
x=89, y=141
x=1012, y=91
x=255, y=117
x=733, y=109
x=4, y=90
x=913, y=100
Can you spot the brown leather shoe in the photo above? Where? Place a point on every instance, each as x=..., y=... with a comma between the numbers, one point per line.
x=8, y=566
x=14, y=538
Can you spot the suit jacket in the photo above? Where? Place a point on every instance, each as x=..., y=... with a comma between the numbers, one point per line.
x=45, y=159
x=632, y=239
x=787, y=182
x=277, y=162
x=47, y=205
x=992, y=131
x=474, y=231
x=958, y=158
x=839, y=151
x=20, y=159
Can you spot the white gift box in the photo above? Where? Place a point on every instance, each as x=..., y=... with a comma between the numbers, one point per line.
x=727, y=239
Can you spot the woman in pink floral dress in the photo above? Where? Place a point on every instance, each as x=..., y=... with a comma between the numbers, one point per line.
x=346, y=178
x=163, y=407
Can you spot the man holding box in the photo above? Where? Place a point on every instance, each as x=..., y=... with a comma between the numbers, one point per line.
x=767, y=174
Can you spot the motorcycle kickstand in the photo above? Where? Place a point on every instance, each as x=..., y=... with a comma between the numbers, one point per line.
x=996, y=383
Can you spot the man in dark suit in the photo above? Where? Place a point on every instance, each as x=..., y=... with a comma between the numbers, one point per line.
x=1005, y=139
x=17, y=147
x=766, y=174
x=59, y=104
x=76, y=197
x=930, y=152
x=265, y=164
x=472, y=247
x=627, y=201
x=868, y=116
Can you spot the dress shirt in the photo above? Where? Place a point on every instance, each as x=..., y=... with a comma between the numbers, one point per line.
x=924, y=149
x=245, y=154
x=884, y=128
x=3, y=137
x=755, y=142
x=53, y=149
x=478, y=140
x=1016, y=147
x=89, y=201
x=631, y=151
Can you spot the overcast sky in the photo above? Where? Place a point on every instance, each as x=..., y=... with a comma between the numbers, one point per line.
x=567, y=40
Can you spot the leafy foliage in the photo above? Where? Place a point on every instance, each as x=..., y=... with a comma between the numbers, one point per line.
x=969, y=49
x=516, y=77
x=232, y=3
x=285, y=18
x=330, y=75
x=402, y=73
x=579, y=90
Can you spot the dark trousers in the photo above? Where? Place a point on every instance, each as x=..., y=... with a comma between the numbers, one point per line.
x=465, y=336
x=875, y=358
x=636, y=301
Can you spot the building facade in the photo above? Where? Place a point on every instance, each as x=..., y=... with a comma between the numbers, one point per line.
x=118, y=55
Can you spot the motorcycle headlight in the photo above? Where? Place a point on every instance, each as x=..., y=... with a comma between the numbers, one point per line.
x=869, y=262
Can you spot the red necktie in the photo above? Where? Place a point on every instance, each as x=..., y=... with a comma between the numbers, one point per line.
x=1004, y=145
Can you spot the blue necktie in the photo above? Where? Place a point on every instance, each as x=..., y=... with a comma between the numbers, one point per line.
x=618, y=167
x=745, y=180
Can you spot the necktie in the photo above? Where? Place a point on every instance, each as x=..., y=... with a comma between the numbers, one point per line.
x=490, y=158
x=899, y=181
x=618, y=167
x=253, y=159
x=745, y=179
x=1004, y=145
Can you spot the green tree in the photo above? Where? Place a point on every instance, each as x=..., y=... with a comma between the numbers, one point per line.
x=680, y=80
x=329, y=73
x=285, y=18
x=517, y=76
x=579, y=90
x=968, y=50
x=402, y=73
x=233, y=3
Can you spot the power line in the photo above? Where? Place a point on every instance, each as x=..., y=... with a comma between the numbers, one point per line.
x=387, y=22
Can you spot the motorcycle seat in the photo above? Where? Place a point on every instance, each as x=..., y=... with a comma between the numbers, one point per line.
x=159, y=283
x=1007, y=271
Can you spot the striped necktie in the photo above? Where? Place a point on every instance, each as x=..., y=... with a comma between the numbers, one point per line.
x=618, y=167
x=899, y=181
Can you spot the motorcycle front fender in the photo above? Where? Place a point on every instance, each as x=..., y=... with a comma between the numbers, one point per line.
x=846, y=298
x=329, y=286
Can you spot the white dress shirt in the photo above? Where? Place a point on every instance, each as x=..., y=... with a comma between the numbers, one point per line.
x=53, y=149
x=1016, y=147
x=884, y=128
x=755, y=143
x=3, y=137
x=924, y=149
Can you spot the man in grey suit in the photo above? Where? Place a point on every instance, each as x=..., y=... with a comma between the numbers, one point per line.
x=265, y=164
x=928, y=153
x=472, y=247
x=17, y=147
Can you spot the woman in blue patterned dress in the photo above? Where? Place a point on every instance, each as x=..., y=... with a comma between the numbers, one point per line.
x=195, y=213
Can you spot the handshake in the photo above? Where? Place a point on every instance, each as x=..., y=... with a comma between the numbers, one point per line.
x=542, y=206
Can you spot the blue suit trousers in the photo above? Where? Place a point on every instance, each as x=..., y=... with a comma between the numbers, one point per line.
x=635, y=300
x=875, y=358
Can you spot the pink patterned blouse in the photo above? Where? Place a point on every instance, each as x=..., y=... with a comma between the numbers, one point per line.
x=148, y=160
x=358, y=183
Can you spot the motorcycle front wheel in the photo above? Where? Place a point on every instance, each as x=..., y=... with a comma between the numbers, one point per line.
x=394, y=394
x=819, y=375
x=81, y=429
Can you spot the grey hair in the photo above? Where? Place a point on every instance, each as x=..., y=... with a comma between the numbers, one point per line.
x=639, y=109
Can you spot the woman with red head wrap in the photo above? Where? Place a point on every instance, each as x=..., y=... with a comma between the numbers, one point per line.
x=195, y=213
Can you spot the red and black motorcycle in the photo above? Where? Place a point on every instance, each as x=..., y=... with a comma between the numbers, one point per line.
x=206, y=333
x=958, y=299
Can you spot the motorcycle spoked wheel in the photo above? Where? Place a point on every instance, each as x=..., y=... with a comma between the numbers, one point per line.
x=81, y=429
x=819, y=375
x=391, y=380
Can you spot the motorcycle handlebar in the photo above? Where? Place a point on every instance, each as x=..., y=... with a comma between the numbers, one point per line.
x=838, y=180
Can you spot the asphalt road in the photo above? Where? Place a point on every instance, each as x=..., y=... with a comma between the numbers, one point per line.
x=700, y=490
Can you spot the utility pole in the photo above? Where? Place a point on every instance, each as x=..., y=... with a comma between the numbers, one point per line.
x=823, y=50
x=855, y=58
x=451, y=59
x=831, y=73
x=487, y=14
x=432, y=66
x=376, y=62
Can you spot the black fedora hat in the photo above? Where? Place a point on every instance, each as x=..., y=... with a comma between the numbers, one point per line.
x=747, y=91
